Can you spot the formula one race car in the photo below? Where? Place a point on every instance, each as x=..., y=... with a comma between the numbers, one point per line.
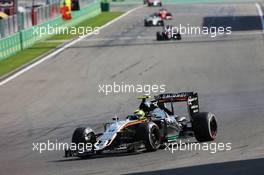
x=164, y=14
x=154, y=3
x=168, y=33
x=150, y=127
x=153, y=20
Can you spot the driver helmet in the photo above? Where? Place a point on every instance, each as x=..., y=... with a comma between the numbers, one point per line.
x=140, y=114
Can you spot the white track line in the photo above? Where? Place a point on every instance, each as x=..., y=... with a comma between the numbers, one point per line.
x=260, y=15
x=20, y=72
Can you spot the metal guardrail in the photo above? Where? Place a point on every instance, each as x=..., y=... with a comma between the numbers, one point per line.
x=45, y=13
x=42, y=14
x=8, y=26
x=26, y=37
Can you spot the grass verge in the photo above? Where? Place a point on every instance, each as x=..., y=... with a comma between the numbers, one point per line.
x=14, y=62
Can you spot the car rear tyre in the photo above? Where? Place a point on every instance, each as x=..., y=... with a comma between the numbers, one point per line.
x=149, y=133
x=177, y=36
x=204, y=126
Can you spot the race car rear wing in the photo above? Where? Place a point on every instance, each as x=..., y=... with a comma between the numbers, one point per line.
x=190, y=97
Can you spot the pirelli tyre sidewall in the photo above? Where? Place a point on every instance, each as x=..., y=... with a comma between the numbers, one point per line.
x=84, y=136
x=149, y=133
x=177, y=36
x=204, y=125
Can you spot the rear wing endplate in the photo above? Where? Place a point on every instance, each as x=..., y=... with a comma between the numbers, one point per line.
x=190, y=97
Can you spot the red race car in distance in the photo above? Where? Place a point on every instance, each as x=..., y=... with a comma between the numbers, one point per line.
x=164, y=14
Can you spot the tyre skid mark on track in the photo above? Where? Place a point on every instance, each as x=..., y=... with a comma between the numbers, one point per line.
x=185, y=40
x=148, y=68
x=125, y=69
x=184, y=37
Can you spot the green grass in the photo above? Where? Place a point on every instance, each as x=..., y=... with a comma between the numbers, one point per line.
x=10, y=64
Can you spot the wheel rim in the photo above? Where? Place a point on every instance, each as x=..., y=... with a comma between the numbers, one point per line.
x=213, y=127
x=155, y=137
x=87, y=135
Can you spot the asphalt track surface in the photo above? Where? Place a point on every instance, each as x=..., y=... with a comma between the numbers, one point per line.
x=51, y=100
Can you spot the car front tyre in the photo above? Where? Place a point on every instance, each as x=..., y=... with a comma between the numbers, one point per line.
x=83, y=136
x=149, y=133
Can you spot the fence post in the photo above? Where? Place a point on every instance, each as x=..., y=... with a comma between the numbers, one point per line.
x=2, y=29
x=19, y=24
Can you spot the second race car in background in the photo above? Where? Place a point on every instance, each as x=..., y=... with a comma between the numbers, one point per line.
x=154, y=3
x=164, y=14
x=153, y=20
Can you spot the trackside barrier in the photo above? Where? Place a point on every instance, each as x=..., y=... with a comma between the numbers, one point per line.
x=125, y=2
x=12, y=44
x=9, y=46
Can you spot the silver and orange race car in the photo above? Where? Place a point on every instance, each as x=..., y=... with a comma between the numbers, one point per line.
x=153, y=20
x=149, y=128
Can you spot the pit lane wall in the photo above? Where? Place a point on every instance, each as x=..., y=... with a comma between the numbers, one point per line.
x=26, y=38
